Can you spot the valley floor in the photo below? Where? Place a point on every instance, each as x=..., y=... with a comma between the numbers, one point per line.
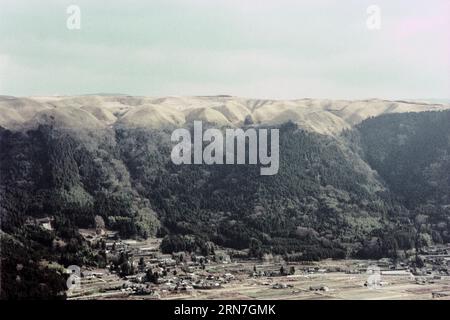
x=251, y=279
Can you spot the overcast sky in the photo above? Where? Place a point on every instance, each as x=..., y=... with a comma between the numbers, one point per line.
x=251, y=48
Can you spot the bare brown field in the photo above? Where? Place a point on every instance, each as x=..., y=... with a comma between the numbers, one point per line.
x=339, y=286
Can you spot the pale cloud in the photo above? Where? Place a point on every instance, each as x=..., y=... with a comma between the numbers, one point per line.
x=273, y=49
x=4, y=60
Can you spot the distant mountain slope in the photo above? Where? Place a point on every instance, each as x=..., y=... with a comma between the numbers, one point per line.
x=321, y=187
x=411, y=152
x=324, y=202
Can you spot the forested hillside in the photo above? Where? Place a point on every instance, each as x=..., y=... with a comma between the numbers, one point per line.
x=411, y=152
x=323, y=197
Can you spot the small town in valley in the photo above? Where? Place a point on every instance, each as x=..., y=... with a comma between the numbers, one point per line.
x=138, y=270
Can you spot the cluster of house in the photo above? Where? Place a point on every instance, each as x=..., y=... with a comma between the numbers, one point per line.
x=436, y=261
x=138, y=284
x=183, y=272
x=176, y=272
x=45, y=222
x=281, y=285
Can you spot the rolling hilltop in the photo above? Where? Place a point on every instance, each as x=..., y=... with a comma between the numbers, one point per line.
x=100, y=111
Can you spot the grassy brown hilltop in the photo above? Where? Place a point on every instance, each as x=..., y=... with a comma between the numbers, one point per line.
x=98, y=111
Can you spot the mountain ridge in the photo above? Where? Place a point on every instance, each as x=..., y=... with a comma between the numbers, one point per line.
x=324, y=116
